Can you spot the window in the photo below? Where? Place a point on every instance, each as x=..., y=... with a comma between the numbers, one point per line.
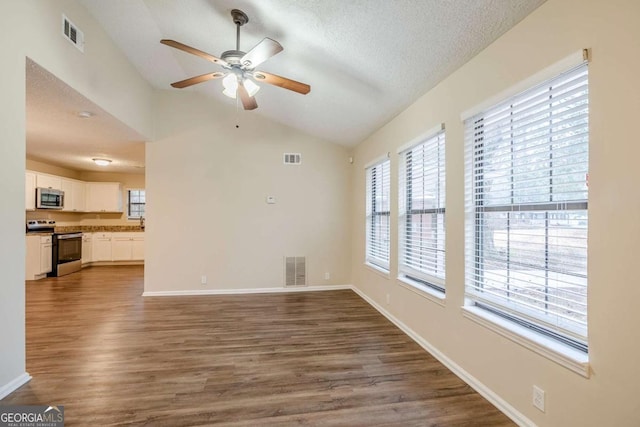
x=378, y=213
x=527, y=160
x=135, y=203
x=422, y=210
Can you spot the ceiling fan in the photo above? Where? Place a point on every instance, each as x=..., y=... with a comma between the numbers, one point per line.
x=240, y=67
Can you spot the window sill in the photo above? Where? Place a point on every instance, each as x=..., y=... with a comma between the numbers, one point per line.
x=424, y=291
x=564, y=355
x=378, y=270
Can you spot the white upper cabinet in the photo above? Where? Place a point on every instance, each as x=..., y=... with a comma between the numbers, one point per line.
x=103, y=197
x=48, y=181
x=30, y=191
x=79, y=196
x=74, y=195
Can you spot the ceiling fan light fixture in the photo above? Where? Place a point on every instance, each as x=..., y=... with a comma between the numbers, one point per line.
x=230, y=83
x=102, y=162
x=251, y=87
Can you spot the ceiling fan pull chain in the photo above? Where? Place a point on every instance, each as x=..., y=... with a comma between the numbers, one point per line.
x=237, y=112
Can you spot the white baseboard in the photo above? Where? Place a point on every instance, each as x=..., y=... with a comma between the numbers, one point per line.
x=473, y=382
x=245, y=291
x=111, y=263
x=13, y=385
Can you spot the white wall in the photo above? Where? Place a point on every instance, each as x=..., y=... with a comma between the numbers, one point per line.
x=32, y=28
x=12, y=245
x=557, y=29
x=206, y=212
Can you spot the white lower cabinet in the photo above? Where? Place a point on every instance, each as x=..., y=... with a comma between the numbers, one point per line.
x=101, y=246
x=137, y=247
x=38, y=262
x=116, y=246
x=46, y=263
x=87, y=248
x=127, y=246
x=96, y=247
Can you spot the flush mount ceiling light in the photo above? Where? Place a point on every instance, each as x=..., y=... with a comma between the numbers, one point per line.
x=102, y=162
x=85, y=114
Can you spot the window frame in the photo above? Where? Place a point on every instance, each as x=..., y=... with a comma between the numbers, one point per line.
x=377, y=253
x=430, y=280
x=476, y=307
x=129, y=204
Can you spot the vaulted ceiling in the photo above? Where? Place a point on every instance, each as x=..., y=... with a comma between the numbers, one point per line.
x=366, y=60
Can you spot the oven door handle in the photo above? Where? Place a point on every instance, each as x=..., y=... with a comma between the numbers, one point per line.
x=69, y=236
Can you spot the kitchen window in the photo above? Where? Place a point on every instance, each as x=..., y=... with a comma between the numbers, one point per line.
x=527, y=216
x=422, y=213
x=135, y=203
x=378, y=212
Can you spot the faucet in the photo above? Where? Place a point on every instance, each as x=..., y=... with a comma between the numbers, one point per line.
x=142, y=222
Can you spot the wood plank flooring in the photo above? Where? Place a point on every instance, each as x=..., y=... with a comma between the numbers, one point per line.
x=112, y=357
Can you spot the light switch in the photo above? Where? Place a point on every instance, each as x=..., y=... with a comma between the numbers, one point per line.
x=271, y=200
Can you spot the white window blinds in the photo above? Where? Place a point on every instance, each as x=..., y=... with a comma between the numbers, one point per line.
x=422, y=212
x=378, y=213
x=526, y=236
x=136, y=203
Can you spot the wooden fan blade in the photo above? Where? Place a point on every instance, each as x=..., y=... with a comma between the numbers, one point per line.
x=194, y=51
x=195, y=80
x=248, y=102
x=282, y=82
x=260, y=53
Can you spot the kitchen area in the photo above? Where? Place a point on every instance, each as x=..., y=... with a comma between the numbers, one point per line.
x=84, y=182
x=72, y=223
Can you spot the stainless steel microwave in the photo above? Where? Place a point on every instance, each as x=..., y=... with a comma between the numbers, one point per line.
x=49, y=198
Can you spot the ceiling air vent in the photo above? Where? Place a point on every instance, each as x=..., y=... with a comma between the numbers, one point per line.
x=72, y=33
x=292, y=158
x=295, y=271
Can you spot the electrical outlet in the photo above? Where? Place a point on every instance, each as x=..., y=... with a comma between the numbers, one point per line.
x=327, y=276
x=538, y=398
x=203, y=280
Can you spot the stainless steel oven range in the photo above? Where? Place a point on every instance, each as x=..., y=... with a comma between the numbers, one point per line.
x=66, y=253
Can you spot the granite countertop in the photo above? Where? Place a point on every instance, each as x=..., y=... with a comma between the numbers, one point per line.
x=98, y=228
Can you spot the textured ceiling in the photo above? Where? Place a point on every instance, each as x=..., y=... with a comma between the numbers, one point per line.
x=366, y=60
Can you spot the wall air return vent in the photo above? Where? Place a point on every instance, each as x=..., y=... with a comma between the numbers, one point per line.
x=295, y=271
x=72, y=33
x=292, y=158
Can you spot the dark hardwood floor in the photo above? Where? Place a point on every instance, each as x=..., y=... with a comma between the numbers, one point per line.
x=112, y=357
